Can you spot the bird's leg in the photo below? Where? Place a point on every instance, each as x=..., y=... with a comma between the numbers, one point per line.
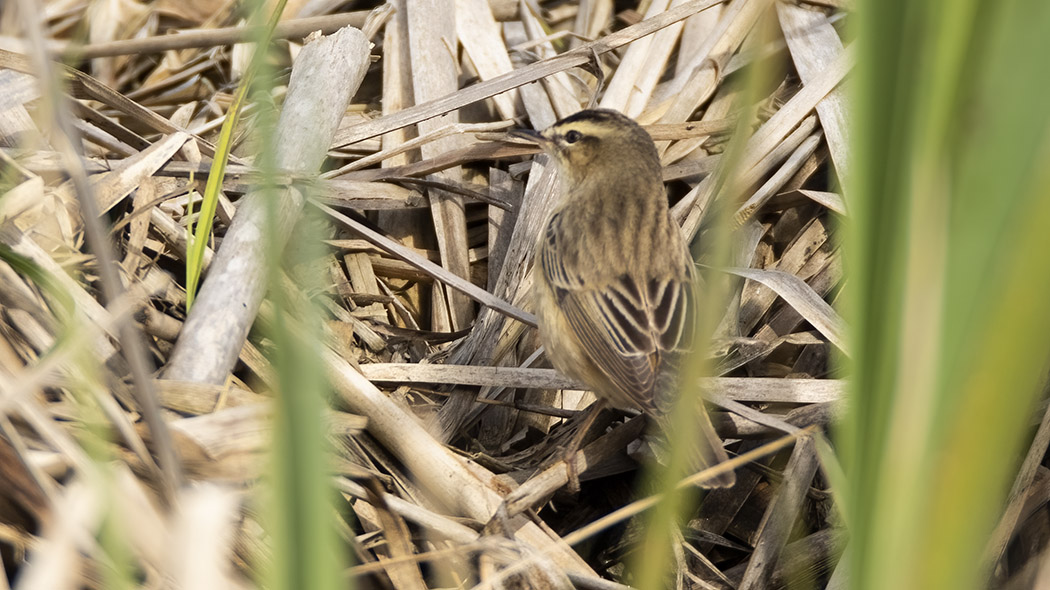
x=569, y=453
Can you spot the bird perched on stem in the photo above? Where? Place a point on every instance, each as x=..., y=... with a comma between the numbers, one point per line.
x=614, y=283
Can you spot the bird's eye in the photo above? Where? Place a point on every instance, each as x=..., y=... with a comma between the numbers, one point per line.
x=573, y=136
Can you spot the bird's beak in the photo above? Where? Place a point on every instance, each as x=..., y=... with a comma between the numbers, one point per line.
x=529, y=135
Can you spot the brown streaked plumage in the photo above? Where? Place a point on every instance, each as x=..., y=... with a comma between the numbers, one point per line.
x=614, y=285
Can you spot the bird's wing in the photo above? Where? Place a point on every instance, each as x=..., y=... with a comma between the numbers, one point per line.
x=631, y=328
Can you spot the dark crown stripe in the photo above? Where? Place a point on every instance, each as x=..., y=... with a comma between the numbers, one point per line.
x=594, y=116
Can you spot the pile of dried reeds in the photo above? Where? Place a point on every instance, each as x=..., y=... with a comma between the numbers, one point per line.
x=429, y=215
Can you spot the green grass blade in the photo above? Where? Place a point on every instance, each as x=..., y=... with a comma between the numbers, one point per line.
x=198, y=237
x=948, y=265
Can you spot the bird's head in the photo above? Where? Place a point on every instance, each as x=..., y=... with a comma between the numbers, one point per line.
x=596, y=141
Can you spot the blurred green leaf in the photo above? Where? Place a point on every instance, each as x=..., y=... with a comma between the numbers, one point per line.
x=948, y=264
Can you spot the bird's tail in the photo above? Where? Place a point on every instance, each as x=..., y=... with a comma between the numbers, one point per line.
x=707, y=449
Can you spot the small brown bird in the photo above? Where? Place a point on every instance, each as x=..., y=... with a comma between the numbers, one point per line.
x=614, y=285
